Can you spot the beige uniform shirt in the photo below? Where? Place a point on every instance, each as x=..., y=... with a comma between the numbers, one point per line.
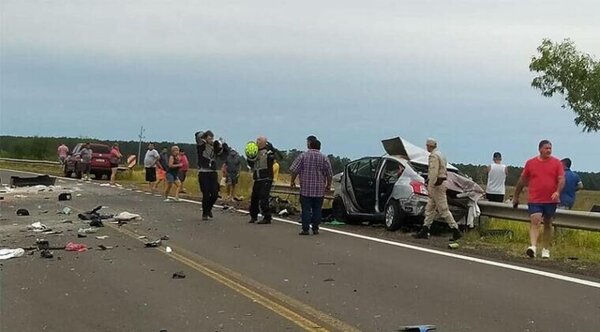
x=437, y=166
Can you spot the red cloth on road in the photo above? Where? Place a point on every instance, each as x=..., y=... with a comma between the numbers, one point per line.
x=79, y=247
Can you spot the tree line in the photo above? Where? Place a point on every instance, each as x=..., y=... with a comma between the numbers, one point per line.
x=44, y=148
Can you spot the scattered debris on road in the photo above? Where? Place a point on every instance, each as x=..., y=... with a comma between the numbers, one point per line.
x=79, y=247
x=93, y=214
x=102, y=237
x=88, y=230
x=66, y=211
x=126, y=216
x=168, y=250
x=179, y=275
x=22, y=212
x=11, y=253
x=417, y=328
x=46, y=253
x=37, y=227
x=165, y=238
x=153, y=244
x=65, y=197
x=42, y=180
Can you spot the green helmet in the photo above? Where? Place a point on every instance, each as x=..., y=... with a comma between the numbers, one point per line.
x=251, y=150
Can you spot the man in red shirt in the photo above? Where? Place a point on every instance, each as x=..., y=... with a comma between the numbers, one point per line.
x=545, y=178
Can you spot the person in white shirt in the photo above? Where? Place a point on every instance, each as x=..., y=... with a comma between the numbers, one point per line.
x=496, y=187
x=150, y=160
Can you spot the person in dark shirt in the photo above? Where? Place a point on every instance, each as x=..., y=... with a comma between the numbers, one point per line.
x=572, y=185
x=208, y=150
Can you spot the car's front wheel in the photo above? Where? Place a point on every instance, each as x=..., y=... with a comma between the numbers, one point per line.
x=394, y=216
x=339, y=209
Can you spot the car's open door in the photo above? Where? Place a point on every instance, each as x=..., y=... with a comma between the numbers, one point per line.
x=362, y=173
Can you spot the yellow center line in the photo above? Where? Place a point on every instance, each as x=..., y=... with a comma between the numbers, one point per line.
x=288, y=307
x=228, y=278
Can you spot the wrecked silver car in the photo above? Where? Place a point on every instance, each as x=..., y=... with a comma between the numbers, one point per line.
x=392, y=189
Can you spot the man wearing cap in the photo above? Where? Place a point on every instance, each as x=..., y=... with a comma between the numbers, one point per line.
x=437, y=202
x=496, y=188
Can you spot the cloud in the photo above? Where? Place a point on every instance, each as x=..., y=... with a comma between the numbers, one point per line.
x=349, y=71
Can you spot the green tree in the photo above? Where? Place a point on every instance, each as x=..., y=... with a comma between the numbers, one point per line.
x=572, y=74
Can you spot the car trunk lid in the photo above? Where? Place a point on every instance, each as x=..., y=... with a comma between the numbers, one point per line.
x=400, y=147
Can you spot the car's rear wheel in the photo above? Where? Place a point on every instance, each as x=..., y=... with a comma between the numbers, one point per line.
x=394, y=216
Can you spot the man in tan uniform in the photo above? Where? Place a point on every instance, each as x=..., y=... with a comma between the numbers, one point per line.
x=438, y=202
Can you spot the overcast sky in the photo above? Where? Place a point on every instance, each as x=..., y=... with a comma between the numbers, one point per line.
x=350, y=72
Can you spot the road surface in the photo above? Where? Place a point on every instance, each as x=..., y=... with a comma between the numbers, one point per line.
x=248, y=277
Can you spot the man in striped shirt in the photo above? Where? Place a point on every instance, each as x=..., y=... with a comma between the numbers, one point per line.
x=314, y=170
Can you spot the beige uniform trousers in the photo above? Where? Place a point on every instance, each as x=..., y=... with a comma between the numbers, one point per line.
x=438, y=204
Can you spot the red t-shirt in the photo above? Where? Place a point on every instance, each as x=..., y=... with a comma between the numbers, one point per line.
x=543, y=178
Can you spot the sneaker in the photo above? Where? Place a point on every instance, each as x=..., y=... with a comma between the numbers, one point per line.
x=264, y=222
x=315, y=231
x=456, y=234
x=167, y=200
x=210, y=215
x=252, y=221
x=176, y=199
x=423, y=233
x=531, y=252
x=545, y=253
x=205, y=218
x=304, y=233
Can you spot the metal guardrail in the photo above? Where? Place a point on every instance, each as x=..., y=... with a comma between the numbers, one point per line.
x=40, y=162
x=589, y=221
x=287, y=190
x=47, y=162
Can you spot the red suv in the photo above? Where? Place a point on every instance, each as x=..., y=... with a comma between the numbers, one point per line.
x=100, y=160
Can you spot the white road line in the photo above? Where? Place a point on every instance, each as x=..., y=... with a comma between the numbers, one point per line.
x=422, y=249
x=440, y=252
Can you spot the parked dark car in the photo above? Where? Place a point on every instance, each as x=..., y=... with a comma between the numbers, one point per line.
x=100, y=160
x=392, y=188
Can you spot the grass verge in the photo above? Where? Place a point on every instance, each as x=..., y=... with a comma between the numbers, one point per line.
x=568, y=244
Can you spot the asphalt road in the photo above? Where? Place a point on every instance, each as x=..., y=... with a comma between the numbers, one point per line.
x=243, y=277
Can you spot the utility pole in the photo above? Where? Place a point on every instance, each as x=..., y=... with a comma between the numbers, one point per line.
x=141, y=136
